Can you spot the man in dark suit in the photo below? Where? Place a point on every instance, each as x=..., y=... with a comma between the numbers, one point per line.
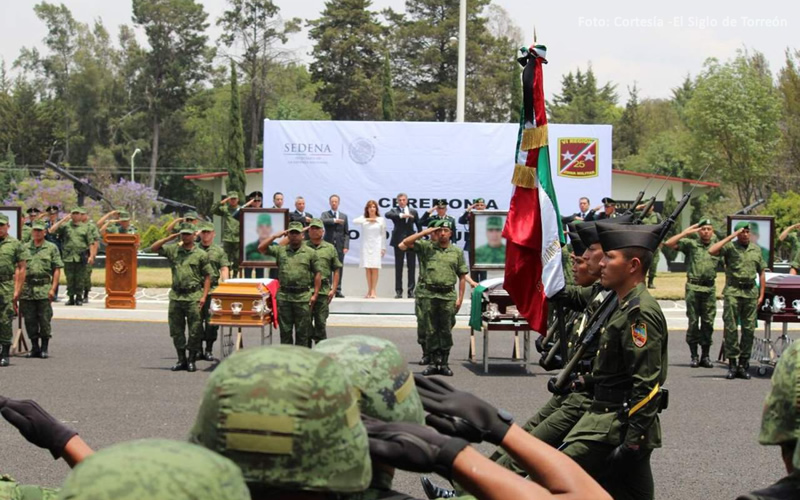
x=477, y=204
x=300, y=215
x=584, y=213
x=406, y=223
x=337, y=233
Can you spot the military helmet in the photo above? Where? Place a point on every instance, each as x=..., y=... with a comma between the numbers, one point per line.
x=781, y=419
x=156, y=469
x=377, y=369
x=289, y=418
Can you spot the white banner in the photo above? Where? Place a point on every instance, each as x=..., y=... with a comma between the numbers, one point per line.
x=363, y=161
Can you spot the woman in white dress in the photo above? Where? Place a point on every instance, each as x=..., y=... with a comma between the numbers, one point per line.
x=373, y=244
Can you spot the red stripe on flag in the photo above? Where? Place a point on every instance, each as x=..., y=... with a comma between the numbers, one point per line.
x=533, y=158
x=538, y=95
x=523, y=223
x=523, y=282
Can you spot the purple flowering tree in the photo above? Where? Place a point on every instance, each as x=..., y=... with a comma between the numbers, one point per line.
x=138, y=199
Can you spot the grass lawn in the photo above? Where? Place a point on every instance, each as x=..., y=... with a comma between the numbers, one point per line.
x=669, y=286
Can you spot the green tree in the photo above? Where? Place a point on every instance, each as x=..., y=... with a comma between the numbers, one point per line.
x=629, y=130
x=237, y=180
x=789, y=89
x=682, y=95
x=387, y=96
x=734, y=116
x=178, y=60
x=254, y=33
x=582, y=101
x=347, y=59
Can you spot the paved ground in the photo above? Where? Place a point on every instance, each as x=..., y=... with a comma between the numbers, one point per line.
x=110, y=380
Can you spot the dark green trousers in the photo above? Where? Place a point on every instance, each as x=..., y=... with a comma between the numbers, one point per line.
x=6, y=319
x=739, y=311
x=320, y=319
x=701, y=308
x=209, y=332
x=294, y=318
x=183, y=315
x=422, y=311
x=232, y=251
x=441, y=314
x=632, y=480
x=37, y=315
x=75, y=272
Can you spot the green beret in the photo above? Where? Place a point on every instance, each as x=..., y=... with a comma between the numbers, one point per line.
x=494, y=222
x=446, y=224
x=478, y=200
x=264, y=220
x=441, y=204
x=317, y=223
x=705, y=222
x=3, y=219
x=41, y=226
x=742, y=225
x=295, y=227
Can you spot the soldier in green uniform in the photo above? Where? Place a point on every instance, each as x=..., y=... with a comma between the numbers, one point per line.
x=39, y=290
x=156, y=469
x=421, y=304
x=76, y=252
x=220, y=269
x=228, y=209
x=94, y=235
x=613, y=441
x=440, y=206
x=300, y=282
x=741, y=299
x=493, y=251
x=13, y=260
x=780, y=425
x=191, y=281
x=264, y=230
x=652, y=217
x=445, y=267
x=329, y=264
x=190, y=219
x=701, y=290
x=119, y=225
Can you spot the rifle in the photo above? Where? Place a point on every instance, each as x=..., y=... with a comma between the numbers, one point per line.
x=640, y=196
x=560, y=383
x=179, y=207
x=83, y=188
x=749, y=208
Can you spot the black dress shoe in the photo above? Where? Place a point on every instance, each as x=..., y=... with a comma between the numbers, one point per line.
x=411, y=294
x=179, y=366
x=432, y=491
x=398, y=295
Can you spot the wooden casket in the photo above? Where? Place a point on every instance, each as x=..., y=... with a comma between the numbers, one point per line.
x=242, y=302
x=781, y=289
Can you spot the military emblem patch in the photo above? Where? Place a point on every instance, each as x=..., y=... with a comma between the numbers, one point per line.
x=639, y=334
x=577, y=157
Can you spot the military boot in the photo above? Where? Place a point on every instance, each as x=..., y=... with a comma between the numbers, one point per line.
x=743, y=370
x=190, y=365
x=426, y=360
x=78, y=300
x=45, y=347
x=695, y=362
x=209, y=354
x=71, y=301
x=432, y=491
x=36, y=351
x=444, y=368
x=433, y=367
x=4, y=352
x=731, y=369
x=86, y=296
x=181, y=364
x=705, y=360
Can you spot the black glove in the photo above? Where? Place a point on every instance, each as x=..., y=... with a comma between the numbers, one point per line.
x=623, y=454
x=413, y=447
x=460, y=413
x=36, y=425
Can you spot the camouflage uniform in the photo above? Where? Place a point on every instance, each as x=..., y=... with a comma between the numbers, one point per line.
x=230, y=231
x=780, y=423
x=12, y=251
x=189, y=269
x=34, y=301
x=328, y=259
x=421, y=306
x=289, y=418
x=444, y=268
x=76, y=240
x=701, y=293
x=296, y=271
x=156, y=469
x=94, y=237
x=10, y=490
x=218, y=259
x=740, y=295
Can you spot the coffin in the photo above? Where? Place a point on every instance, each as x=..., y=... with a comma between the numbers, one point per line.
x=240, y=303
x=787, y=287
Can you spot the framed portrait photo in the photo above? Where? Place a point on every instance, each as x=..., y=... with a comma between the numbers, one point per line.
x=762, y=233
x=487, y=246
x=14, y=215
x=255, y=226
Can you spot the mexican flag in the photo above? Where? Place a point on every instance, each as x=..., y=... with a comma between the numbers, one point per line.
x=533, y=230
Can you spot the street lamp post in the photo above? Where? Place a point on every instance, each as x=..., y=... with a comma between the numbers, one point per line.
x=462, y=60
x=132, y=157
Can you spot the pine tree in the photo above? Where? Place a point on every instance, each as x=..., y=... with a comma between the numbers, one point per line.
x=388, y=95
x=628, y=134
x=237, y=180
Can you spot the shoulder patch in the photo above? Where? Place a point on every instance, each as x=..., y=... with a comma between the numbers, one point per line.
x=639, y=333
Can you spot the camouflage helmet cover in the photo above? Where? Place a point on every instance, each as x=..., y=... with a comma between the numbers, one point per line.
x=289, y=418
x=781, y=419
x=156, y=469
x=377, y=369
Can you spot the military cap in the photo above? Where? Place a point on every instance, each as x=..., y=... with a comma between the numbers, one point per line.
x=187, y=229
x=378, y=370
x=616, y=236
x=78, y=210
x=255, y=194
x=124, y=215
x=39, y=225
x=264, y=220
x=206, y=226
x=317, y=223
x=434, y=223
x=441, y=203
x=156, y=469
x=742, y=225
x=780, y=421
x=478, y=200
x=705, y=221
x=446, y=224
x=3, y=219
x=233, y=194
x=494, y=222
x=191, y=215
x=33, y=210
x=52, y=209
x=295, y=227
x=578, y=248
x=588, y=233
x=289, y=417
x=609, y=201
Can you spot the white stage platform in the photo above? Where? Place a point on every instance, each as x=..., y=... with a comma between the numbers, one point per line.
x=403, y=306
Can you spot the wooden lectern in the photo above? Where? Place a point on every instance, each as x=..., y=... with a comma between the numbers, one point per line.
x=121, y=265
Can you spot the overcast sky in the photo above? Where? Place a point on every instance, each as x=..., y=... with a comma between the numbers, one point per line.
x=655, y=45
